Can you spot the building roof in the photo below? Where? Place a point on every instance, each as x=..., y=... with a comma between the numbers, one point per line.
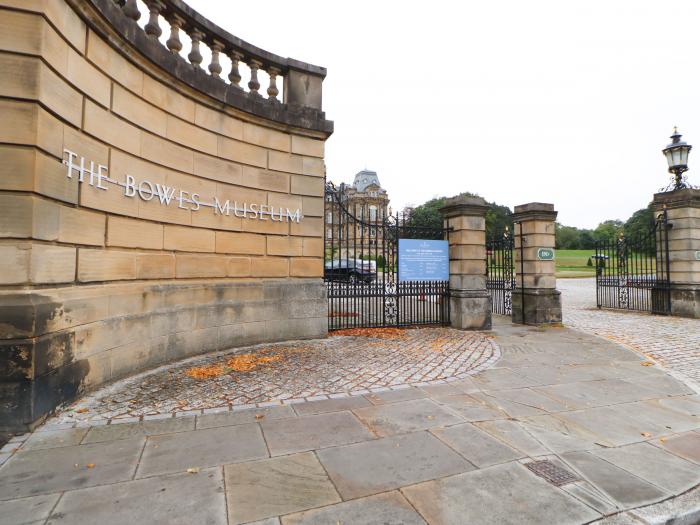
x=365, y=178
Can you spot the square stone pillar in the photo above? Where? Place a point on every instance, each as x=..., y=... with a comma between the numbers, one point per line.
x=470, y=301
x=683, y=208
x=536, y=299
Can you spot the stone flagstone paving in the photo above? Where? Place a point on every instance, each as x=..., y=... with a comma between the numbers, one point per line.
x=303, y=370
x=672, y=341
x=449, y=453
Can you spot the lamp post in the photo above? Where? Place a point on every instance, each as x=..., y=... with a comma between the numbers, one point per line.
x=677, y=157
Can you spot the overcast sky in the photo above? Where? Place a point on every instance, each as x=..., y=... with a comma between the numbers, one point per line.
x=568, y=102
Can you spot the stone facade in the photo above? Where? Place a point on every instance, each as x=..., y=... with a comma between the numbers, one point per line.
x=98, y=284
x=536, y=300
x=683, y=209
x=365, y=199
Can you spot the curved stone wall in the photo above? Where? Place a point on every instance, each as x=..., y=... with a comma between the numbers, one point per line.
x=143, y=218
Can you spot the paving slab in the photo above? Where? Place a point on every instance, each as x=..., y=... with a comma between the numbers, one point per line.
x=614, y=425
x=27, y=510
x=624, y=488
x=240, y=417
x=686, y=445
x=55, y=439
x=286, y=436
x=43, y=471
x=514, y=435
x=281, y=485
x=331, y=405
x=179, y=499
x=527, y=397
x=490, y=496
x=470, y=408
x=389, y=463
x=512, y=409
x=587, y=394
x=395, y=396
x=652, y=413
x=477, y=446
x=688, y=405
x=390, y=508
x=117, y=431
x=503, y=378
x=656, y=466
x=399, y=418
x=201, y=448
x=560, y=435
x=441, y=390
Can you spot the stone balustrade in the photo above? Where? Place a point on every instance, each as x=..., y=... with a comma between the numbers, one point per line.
x=302, y=82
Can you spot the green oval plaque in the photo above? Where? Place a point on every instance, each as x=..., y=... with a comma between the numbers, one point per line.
x=545, y=254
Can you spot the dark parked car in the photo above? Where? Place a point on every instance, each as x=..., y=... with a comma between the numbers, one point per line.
x=350, y=270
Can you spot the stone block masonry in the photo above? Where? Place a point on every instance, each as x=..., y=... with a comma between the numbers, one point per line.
x=149, y=210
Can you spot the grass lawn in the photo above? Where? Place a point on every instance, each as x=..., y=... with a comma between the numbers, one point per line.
x=573, y=263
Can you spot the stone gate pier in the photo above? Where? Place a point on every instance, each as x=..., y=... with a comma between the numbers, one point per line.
x=683, y=211
x=152, y=206
x=536, y=300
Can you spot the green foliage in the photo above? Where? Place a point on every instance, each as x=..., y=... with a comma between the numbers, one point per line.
x=608, y=231
x=640, y=224
x=590, y=262
x=427, y=215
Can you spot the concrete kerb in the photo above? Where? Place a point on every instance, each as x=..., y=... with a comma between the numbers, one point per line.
x=683, y=509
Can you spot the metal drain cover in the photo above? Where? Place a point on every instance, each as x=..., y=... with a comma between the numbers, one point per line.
x=552, y=472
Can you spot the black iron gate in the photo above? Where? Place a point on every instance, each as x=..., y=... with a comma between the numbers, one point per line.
x=633, y=273
x=500, y=272
x=361, y=269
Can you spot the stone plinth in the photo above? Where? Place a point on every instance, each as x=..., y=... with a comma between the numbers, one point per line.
x=470, y=301
x=536, y=299
x=683, y=209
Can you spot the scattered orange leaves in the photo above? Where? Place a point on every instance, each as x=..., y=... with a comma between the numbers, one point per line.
x=647, y=363
x=90, y=465
x=248, y=362
x=81, y=410
x=238, y=363
x=205, y=372
x=646, y=434
x=377, y=333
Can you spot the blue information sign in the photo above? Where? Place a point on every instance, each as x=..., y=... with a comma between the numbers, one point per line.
x=423, y=260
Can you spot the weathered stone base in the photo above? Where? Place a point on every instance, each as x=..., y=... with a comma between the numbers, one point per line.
x=685, y=300
x=542, y=306
x=470, y=309
x=57, y=343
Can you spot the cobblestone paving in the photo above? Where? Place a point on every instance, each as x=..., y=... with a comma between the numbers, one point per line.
x=336, y=367
x=672, y=341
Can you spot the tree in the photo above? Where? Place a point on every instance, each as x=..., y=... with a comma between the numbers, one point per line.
x=608, y=231
x=640, y=223
x=427, y=215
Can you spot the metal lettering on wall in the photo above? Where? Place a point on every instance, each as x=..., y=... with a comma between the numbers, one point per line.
x=423, y=260
x=164, y=194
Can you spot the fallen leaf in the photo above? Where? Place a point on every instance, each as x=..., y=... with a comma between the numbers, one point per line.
x=646, y=434
x=647, y=363
x=259, y=416
x=193, y=470
x=81, y=410
x=90, y=465
x=663, y=440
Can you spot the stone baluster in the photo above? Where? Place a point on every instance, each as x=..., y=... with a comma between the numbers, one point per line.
x=152, y=28
x=254, y=84
x=235, y=76
x=195, y=57
x=215, y=68
x=272, y=90
x=131, y=10
x=173, y=43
